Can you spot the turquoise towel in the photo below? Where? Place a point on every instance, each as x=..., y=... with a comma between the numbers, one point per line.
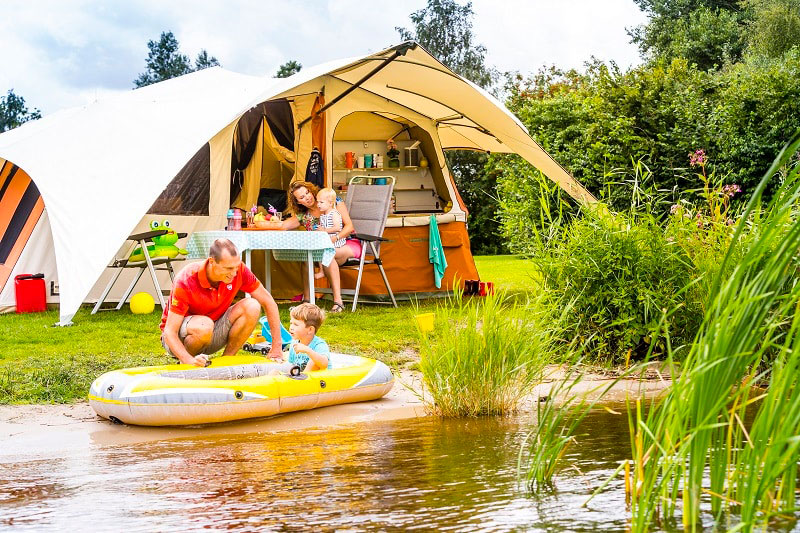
x=436, y=253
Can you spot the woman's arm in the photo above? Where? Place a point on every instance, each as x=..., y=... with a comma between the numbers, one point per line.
x=290, y=223
x=347, y=224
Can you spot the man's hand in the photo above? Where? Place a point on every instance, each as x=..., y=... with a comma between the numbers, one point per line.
x=275, y=353
x=199, y=360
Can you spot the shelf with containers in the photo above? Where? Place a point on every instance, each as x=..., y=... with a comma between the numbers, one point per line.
x=415, y=189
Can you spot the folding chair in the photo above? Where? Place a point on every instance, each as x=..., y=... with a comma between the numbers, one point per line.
x=368, y=206
x=120, y=264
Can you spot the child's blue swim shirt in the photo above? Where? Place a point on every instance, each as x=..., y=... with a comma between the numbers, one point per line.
x=301, y=359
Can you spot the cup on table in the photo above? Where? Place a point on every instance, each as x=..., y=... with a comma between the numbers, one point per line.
x=367, y=160
x=349, y=159
x=361, y=161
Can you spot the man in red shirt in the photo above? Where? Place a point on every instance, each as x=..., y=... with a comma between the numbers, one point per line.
x=200, y=319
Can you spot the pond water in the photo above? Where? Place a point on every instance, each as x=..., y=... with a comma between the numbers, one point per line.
x=415, y=473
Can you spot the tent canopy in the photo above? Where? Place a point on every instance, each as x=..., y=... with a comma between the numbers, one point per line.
x=99, y=167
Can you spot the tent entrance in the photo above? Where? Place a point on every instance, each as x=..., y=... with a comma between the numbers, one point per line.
x=419, y=189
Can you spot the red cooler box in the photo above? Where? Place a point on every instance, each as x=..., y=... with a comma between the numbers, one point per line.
x=30, y=293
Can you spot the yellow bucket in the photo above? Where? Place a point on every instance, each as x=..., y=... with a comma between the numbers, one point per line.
x=425, y=322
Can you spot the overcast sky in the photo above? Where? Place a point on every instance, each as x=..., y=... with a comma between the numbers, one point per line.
x=63, y=53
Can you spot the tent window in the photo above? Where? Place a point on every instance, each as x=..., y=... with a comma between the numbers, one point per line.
x=189, y=191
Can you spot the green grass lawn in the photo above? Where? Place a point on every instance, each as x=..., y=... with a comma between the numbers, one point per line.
x=40, y=363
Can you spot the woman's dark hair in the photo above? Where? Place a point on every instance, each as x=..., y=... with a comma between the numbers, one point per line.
x=295, y=207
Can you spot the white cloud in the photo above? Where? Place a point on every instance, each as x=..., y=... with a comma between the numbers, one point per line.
x=59, y=53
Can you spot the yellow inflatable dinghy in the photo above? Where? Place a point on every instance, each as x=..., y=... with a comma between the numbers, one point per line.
x=232, y=388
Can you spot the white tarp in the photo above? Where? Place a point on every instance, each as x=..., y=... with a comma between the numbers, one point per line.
x=99, y=167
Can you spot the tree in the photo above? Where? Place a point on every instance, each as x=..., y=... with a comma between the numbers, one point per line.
x=707, y=33
x=444, y=28
x=775, y=27
x=165, y=61
x=203, y=61
x=14, y=113
x=289, y=68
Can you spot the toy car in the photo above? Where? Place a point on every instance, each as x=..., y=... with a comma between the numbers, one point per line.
x=257, y=347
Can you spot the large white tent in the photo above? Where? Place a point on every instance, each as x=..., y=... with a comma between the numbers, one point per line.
x=99, y=167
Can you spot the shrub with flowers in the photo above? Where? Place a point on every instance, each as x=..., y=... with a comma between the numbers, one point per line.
x=704, y=229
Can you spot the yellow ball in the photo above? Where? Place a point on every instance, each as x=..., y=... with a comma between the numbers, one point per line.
x=142, y=303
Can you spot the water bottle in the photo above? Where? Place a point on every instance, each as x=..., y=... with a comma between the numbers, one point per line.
x=229, y=227
x=237, y=220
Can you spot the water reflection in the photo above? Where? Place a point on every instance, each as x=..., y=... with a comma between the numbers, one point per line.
x=420, y=473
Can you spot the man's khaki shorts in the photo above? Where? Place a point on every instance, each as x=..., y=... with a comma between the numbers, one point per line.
x=219, y=338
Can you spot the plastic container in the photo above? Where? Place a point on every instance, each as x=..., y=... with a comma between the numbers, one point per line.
x=30, y=293
x=286, y=338
x=237, y=220
x=229, y=227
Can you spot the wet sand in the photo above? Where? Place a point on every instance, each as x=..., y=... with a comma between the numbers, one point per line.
x=47, y=429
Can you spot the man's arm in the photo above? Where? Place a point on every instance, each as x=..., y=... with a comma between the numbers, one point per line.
x=174, y=343
x=273, y=317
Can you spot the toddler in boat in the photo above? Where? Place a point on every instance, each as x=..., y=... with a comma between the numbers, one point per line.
x=306, y=350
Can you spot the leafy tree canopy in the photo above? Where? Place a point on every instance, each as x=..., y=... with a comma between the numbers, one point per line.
x=165, y=61
x=774, y=28
x=13, y=111
x=289, y=68
x=707, y=33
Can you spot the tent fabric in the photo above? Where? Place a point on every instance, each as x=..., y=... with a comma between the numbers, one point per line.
x=118, y=154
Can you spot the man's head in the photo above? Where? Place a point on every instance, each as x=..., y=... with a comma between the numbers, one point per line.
x=306, y=319
x=223, y=261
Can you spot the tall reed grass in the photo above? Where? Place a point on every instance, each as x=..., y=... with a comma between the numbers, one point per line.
x=694, y=456
x=485, y=355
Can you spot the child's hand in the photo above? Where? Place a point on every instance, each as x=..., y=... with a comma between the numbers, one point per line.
x=301, y=348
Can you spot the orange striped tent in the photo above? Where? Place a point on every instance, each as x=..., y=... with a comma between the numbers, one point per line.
x=21, y=209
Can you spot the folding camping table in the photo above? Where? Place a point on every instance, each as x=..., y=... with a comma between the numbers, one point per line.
x=306, y=246
x=149, y=263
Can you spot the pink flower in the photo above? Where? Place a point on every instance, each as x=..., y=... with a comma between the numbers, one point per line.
x=731, y=190
x=698, y=158
x=674, y=209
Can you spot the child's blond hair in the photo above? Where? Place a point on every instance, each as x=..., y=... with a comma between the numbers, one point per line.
x=328, y=194
x=309, y=314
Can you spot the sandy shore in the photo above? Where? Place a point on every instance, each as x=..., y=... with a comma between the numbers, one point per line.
x=50, y=428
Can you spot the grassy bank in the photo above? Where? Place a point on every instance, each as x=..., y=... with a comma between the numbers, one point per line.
x=40, y=363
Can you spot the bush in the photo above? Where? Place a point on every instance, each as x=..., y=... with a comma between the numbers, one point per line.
x=619, y=276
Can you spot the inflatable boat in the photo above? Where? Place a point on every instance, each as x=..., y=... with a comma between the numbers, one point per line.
x=232, y=388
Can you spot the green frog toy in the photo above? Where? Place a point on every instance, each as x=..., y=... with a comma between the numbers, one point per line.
x=163, y=245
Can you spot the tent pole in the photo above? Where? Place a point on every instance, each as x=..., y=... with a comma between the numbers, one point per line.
x=400, y=51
